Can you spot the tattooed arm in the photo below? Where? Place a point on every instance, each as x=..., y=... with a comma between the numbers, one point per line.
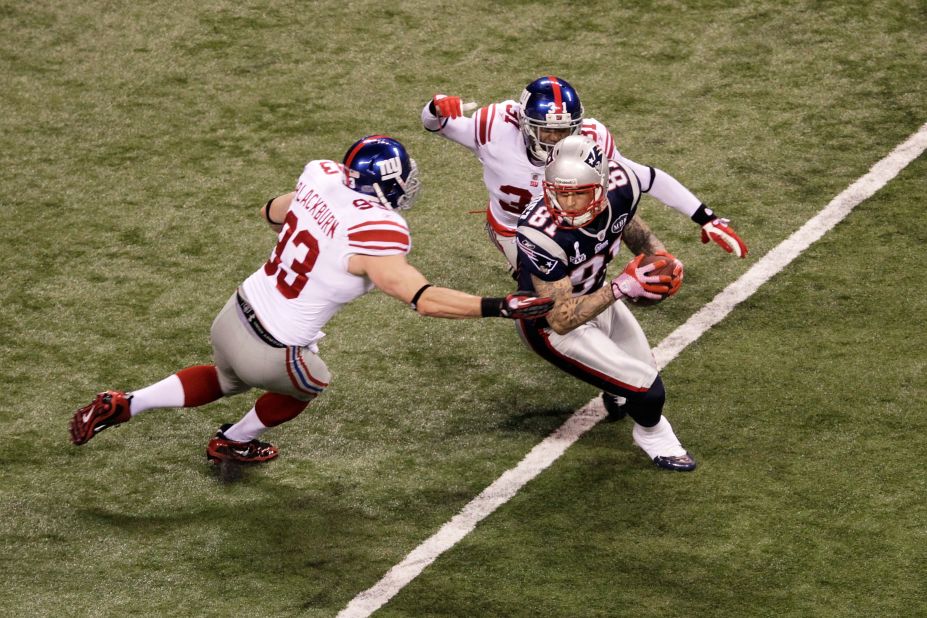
x=640, y=239
x=569, y=312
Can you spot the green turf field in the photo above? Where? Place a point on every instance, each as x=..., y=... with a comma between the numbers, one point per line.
x=139, y=140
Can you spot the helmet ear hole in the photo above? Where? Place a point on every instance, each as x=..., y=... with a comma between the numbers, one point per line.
x=379, y=166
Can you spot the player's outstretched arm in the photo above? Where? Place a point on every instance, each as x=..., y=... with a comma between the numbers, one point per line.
x=394, y=276
x=274, y=211
x=569, y=312
x=446, y=115
x=674, y=194
x=719, y=230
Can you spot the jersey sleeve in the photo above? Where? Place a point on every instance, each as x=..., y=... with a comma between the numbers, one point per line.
x=600, y=134
x=379, y=237
x=540, y=255
x=662, y=186
x=460, y=129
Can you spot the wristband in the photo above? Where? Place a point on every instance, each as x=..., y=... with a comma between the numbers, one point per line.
x=491, y=307
x=704, y=215
x=421, y=290
x=267, y=212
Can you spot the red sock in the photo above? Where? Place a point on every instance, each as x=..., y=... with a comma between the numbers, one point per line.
x=273, y=408
x=200, y=385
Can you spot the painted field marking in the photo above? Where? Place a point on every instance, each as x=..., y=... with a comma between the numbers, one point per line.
x=584, y=419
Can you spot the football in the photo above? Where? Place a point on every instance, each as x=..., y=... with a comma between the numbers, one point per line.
x=666, y=269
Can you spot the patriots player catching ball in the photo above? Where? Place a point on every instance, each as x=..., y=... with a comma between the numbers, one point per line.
x=339, y=235
x=513, y=138
x=565, y=242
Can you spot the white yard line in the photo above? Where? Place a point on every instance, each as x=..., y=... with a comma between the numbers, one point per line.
x=552, y=447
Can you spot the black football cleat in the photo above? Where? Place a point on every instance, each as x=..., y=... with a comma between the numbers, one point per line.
x=108, y=409
x=679, y=463
x=613, y=408
x=220, y=449
x=663, y=447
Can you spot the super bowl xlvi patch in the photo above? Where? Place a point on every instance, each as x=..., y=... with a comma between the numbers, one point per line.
x=544, y=263
x=618, y=225
x=580, y=257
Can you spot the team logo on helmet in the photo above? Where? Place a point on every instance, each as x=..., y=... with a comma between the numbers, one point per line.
x=380, y=167
x=594, y=160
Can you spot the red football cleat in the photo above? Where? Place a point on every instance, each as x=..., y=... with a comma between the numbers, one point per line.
x=222, y=449
x=108, y=409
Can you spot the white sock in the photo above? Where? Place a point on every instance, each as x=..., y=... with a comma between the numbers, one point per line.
x=168, y=393
x=247, y=429
x=659, y=440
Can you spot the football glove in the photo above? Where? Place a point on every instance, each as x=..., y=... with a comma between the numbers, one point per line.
x=677, y=276
x=719, y=230
x=447, y=106
x=517, y=306
x=634, y=282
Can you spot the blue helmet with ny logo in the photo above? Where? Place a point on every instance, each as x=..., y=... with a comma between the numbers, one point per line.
x=380, y=167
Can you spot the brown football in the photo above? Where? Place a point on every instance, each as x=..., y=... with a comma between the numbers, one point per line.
x=666, y=269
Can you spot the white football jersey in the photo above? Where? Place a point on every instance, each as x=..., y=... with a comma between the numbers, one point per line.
x=306, y=280
x=512, y=179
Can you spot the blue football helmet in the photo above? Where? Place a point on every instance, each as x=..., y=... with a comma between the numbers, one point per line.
x=380, y=167
x=551, y=104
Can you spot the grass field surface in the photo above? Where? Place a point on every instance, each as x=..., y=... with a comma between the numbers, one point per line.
x=137, y=143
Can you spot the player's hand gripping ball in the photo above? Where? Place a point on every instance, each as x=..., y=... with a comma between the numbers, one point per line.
x=664, y=278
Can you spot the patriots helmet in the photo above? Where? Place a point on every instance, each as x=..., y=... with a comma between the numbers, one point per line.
x=380, y=167
x=575, y=182
x=550, y=110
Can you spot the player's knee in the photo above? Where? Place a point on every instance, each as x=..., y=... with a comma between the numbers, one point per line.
x=647, y=407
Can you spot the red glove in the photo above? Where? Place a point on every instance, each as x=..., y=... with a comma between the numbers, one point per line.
x=524, y=306
x=447, y=107
x=518, y=305
x=677, y=276
x=720, y=231
x=634, y=282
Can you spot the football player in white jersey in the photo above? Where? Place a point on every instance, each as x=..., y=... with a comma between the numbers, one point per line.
x=513, y=138
x=339, y=235
x=565, y=241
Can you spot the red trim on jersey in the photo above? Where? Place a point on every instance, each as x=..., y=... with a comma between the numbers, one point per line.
x=558, y=96
x=387, y=236
x=492, y=119
x=379, y=222
x=372, y=247
x=497, y=227
x=482, y=126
